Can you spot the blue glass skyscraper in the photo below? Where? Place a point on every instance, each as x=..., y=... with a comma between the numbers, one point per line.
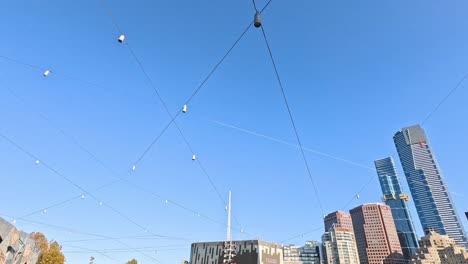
x=397, y=200
x=432, y=199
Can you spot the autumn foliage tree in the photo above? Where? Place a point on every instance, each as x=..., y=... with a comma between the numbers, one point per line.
x=51, y=252
x=133, y=261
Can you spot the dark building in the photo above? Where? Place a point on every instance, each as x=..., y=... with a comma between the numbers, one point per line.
x=430, y=193
x=247, y=252
x=394, y=197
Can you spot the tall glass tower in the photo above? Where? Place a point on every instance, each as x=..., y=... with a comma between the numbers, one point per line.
x=397, y=200
x=430, y=194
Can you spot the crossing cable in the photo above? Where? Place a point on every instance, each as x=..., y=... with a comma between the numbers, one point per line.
x=74, y=231
x=78, y=187
x=73, y=140
x=88, y=250
x=191, y=97
x=292, y=119
x=173, y=117
x=158, y=95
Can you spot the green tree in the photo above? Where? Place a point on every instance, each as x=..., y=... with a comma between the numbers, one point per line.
x=51, y=253
x=133, y=261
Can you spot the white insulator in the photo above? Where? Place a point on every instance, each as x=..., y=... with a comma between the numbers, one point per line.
x=46, y=73
x=121, y=38
x=37, y=162
x=133, y=167
x=44, y=211
x=194, y=157
x=184, y=109
x=82, y=196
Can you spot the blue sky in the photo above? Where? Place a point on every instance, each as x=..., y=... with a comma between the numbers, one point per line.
x=354, y=72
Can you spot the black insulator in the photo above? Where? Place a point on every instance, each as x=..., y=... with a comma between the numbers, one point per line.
x=257, y=22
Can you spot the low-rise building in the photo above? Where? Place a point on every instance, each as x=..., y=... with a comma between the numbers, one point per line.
x=307, y=254
x=435, y=248
x=245, y=252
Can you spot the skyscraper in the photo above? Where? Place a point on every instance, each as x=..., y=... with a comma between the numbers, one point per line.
x=338, y=241
x=431, y=197
x=376, y=236
x=396, y=199
x=339, y=219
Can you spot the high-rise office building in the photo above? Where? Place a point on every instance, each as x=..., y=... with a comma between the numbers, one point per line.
x=394, y=197
x=338, y=242
x=339, y=219
x=376, y=236
x=431, y=197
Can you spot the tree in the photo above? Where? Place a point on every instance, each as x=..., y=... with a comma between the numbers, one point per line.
x=51, y=253
x=40, y=241
x=133, y=261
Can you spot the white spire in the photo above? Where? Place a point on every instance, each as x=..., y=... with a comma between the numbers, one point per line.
x=229, y=219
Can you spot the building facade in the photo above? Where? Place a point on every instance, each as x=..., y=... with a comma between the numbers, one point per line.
x=431, y=197
x=376, y=236
x=439, y=249
x=16, y=247
x=394, y=197
x=338, y=242
x=338, y=219
x=307, y=254
x=339, y=246
x=247, y=252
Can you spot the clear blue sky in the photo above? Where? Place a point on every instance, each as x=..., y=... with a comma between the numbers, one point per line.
x=355, y=72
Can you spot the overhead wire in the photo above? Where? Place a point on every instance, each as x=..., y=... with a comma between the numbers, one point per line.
x=445, y=98
x=73, y=140
x=88, y=250
x=306, y=163
x=173, y=117
x=291, y=144
x=34, y=157
x=74, y=231
x=300, y=235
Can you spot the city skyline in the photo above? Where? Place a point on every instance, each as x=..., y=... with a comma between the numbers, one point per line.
x=80, y=109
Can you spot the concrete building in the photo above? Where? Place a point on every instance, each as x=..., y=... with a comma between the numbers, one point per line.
x=247, y=252
x=307, y=254
x=338, y=242
x=394, y=197
x=16, y=247
x=439, y=249
x=376, y=236
x=432, y=199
